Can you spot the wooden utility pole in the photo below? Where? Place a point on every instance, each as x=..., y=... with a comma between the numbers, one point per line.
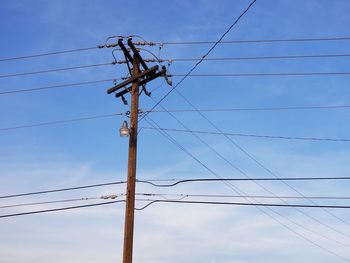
x=131, y=181
x=138, y=78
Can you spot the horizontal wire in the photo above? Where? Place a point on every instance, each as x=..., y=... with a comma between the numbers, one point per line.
x=175, y=60
x=248, y=196
x=50, y=202
x=259, y=108
x=176, y=43
x=172, y=195
x=59, y=86
x=249, y=41
x=256, y=57
x=175, y=182
x=173, y=110
x=55, y=70
x=57, y=52
x=261, y=74
x=60, y=209
x=245, y=179
x=60, y=121
x=48, y=53
x=152, y=201
x=251, y=135
x=62, y=189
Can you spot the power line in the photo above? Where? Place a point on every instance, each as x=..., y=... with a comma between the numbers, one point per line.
x=255, y=57
x=60, y=209
x=181, y=196
x=245, y=196
x=50, y=202
x=48, y=53
x=153, y=201
x=62, y=189
x=204, y=56
x=258, y=109
x=253, y=135
x=55, y=70
x=177, y=43
x=245, y=179
x=234, y=188
x=262, y=74
x=247, y=41
x=58, y=86
x=175, y=182
x=172, y=110
x=60, y=121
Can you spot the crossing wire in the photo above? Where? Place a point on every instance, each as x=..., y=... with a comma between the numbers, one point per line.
x=58, y=86
x=253, y=135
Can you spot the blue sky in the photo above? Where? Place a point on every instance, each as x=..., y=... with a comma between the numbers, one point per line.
x=91, y=151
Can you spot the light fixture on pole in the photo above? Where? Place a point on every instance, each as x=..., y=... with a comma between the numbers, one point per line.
x=124, y=130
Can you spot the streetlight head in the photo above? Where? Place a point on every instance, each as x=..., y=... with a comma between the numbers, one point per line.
x=124, y=130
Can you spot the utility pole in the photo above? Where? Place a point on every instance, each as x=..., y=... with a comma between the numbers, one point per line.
x=131, y=181
x=137, y=78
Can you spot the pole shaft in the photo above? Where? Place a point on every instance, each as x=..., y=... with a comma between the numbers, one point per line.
x=131, y=181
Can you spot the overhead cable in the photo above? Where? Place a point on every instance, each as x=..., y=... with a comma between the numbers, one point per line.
x=203, y=57
x=58, y=86
x=253, y=135
x=60, y=209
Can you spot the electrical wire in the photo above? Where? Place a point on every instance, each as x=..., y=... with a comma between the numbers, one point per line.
x=235, y=189
x=247, y=41
x=253, y=135
x=153, y=201
x=55, y=70
x=259, y=109
x=240, y=148
x=242, y=172
x=164, y=195
x=48, y=53
x=25, y=126
x=177, y=43
x=60, y=209
x=256, y=57
x=245, y=196
x=203, y=57
x=245, y=179
x=58, y=86
x=50, y=202
x=62, y=189
x=285, y=74
x=182, y=79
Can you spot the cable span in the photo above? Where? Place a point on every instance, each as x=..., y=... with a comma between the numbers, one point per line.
x=175, y=182
x=50, y=202
x=48, y=53
x=250, y=41
x=247, y=196
x=256, y=57
x=54, y=70
x=244, y=179
x=60, y=209
x=253, y=135
x=61, y=189
x=60, y=121
x=203, y=57
x=285, y=74
x=174, y=110
x=177, y=43
x=58, y=86
x=152, y=201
